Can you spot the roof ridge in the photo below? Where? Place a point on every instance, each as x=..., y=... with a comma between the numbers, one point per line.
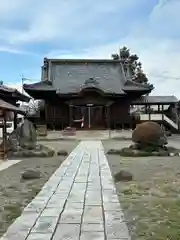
x=91, y=60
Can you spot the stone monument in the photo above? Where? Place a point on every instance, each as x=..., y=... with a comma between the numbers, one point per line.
x=22, y=142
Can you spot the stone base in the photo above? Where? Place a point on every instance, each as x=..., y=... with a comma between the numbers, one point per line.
x=132, y=152
x=69, y=131
x=39, y=151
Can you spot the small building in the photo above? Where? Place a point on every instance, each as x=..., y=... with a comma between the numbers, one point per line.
x=100, y=93
x=6, y=109
x=13, y=97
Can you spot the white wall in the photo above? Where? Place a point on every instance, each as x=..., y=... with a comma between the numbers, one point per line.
x=9, y=130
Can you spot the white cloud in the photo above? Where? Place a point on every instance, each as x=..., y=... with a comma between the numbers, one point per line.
x=157, y=44
x=164, y=19
x=156, y=41
x=160, y=61
x=45, y=20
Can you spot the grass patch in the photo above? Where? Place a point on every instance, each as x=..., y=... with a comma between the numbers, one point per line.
x=162, y=221
x=155, y=207
x=129, y=152
x=12, y=211
x=151, y=202
x=34, y=191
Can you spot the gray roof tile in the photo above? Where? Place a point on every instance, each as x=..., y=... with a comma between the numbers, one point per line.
x=68, y=77
x=156, y=99
x=39, y=86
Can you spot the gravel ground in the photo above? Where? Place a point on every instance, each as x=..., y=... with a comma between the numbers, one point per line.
x=151, y=202
x=15, y=193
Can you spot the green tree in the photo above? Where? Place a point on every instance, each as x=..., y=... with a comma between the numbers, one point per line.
x=132, y=67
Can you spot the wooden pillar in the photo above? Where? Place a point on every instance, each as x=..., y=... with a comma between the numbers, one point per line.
x=149, y=112
x=70, y=115
x=108, y=117
x=15, y=120
x=45, y=110
x=162, y=112
x=4, y=135
x=176, y=113
x=145, y=109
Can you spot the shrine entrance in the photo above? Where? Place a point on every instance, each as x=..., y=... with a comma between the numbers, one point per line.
x=89, y=116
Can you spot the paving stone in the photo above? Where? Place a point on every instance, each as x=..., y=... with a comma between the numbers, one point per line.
x=45, y=225
x=91, y=187
x=74, y=205
x=60, y=194
x=109, y=206
x=92, y=236
x=92, y=227
x=41, y=199
x=24, y=222
x=49, y=188
x=77, y=194
x=80, y=180
x=116, y=230
x=51, y=212
x=71, y=216
x=93, y=202
x=93, y=193
x=79, y=186
x=18, y=235
x=76, y=198
x=93, y=197
x=45, y=193
x=40, y=236
x=109, y=196
x=35, y=207
x=73, y=194
x=93, y=214
x=114, y=216
x=67, y=232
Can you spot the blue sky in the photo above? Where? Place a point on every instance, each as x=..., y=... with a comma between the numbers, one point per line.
x=32, y=30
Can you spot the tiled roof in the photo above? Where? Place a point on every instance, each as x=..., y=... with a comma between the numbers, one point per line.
x=68, y=77
x=156, y=99
x=15, y=93
x=133, y=86
x=39, y=86
x=7, y=106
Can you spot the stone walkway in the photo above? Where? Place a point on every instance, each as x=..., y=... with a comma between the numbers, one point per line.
x=79, y=202
x=7, y=163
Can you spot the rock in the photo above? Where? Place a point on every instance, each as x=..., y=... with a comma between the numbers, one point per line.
x=168, y=133
x=69, y=131
x=123, y=176
x=62, y=153
x=149, y=133
x=30, y=174
x=28, y=135
x=114, y=151
x=39, y=151
x=13, y=140
x=22, y=143
x=23, y=136
x=135, y=146
x=130, y=152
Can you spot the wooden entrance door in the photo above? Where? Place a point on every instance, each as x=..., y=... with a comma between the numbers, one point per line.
x=94, y=116
x=97, y=117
